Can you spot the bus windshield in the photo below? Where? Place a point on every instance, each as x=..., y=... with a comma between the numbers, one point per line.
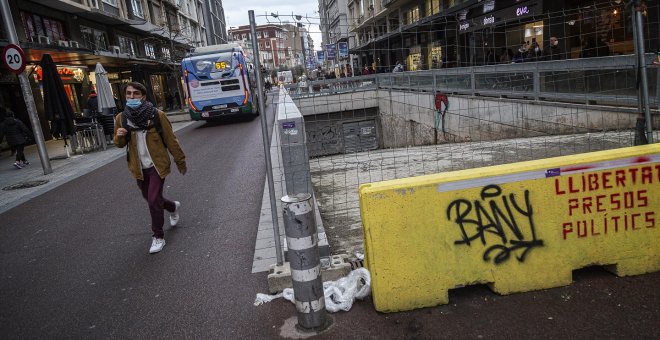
x=221, y=65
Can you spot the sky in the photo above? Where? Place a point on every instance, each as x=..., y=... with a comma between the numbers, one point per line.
x=236, y=14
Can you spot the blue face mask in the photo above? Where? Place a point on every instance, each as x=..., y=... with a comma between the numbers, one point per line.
x=133, y=102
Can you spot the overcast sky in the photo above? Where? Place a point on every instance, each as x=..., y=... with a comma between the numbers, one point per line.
x=236, y=14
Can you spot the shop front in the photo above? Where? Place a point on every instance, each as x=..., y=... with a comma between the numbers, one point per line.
x=495, y=28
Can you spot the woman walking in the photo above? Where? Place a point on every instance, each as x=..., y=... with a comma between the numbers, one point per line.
x=17, y=136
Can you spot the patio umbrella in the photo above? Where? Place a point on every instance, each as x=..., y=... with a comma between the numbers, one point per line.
x=103, y=90
x=56, y=103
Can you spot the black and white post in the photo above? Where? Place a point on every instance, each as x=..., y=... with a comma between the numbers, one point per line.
x=303, y=255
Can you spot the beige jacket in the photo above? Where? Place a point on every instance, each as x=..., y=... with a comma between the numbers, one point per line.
x=157, y=150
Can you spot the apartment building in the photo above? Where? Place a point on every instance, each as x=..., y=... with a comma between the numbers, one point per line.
x=130, y=38
x=275, y=46
x=216, y=31
x=334, y=25
x=429, y=34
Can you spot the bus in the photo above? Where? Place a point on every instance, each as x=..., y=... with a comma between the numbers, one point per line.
x=220, y=82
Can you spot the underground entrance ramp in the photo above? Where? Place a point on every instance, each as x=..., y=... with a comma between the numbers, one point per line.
x=516, y=227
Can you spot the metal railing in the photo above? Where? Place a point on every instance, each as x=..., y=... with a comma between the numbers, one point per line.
x=603, y=80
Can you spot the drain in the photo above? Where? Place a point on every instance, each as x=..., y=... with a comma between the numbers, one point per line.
x=25, y=185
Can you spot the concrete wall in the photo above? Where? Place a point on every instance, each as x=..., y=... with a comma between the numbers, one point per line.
x=516, y=227
x=406, y=118
x=348, y=101
x=325, y=135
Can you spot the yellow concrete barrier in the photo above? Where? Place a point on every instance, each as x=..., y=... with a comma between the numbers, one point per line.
x=517, y=227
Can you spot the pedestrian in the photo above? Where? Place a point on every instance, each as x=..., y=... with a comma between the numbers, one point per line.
x=506, y=56
x=93, y=103
x=365, y=71
x=398, y=67
x=17, y=136
x=178, y=100
x=552, y=51
x=169, y=101
x=535, y=53
x=147, y=134
x=522, y=55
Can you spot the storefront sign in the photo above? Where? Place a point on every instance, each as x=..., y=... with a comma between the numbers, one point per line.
x=520, y=11
x=464, y=26
x=65, y=72
x=331, y=50
x=320, y=57
x=528, y=8
x=343, y=49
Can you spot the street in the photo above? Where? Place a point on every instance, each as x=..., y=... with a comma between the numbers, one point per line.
x=75, y=264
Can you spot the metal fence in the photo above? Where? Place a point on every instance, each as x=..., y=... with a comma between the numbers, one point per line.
x=574, y=99
x=605, y=80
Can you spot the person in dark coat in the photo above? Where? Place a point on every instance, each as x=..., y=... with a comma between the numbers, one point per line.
x=169, y=101
x=93, y=103
x=17, y=136
x=553, y=51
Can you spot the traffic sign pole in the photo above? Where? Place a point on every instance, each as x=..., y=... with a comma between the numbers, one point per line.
x=27, y=91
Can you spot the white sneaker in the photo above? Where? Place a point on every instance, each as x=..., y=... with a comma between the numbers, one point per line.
x=174, y=216
x=157, y=245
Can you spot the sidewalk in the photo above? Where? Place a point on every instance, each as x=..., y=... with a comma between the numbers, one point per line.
x=31, y=180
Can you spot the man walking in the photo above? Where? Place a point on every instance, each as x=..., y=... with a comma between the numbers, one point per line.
x=147, y=134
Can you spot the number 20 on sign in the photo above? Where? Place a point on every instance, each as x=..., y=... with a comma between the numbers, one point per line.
x=13, y=58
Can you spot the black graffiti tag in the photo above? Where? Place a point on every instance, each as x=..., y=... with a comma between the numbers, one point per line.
x=496, y=216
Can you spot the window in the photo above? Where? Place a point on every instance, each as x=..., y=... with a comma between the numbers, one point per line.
x=259, y=35
x=165, y=52
x=94, y=39
x=265, y=34
x=149, y=51
x=36, y=25
x=244, y=36
x=137, y=8
x=111, y=2
x=127, y=45
x=156, y=14
x=267, y=44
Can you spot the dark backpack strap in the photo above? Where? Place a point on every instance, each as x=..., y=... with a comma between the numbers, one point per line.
x=124, y=124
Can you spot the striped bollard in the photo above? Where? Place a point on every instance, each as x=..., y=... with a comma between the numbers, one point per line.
x=303, y=256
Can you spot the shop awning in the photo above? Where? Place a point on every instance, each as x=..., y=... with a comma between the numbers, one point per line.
x=85, y=57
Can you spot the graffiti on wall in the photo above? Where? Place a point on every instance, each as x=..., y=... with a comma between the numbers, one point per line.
x=323, y=139
x=502, y=223
x=607, y=202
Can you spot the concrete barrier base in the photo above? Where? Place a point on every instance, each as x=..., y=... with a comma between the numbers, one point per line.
x=332, y=268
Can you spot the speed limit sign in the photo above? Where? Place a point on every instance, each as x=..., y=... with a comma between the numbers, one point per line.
x=13, y=58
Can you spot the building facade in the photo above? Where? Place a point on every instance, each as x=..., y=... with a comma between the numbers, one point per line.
x=275, y=47
x=133, y=39
x=431, y=34
x=334, y=25
x=216, y=30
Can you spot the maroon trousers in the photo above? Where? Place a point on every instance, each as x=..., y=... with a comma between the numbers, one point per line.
x=152, y=191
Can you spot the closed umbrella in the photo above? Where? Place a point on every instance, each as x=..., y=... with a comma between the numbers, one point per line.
x=106, y=101
x=56, y=103
x=103, y=90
